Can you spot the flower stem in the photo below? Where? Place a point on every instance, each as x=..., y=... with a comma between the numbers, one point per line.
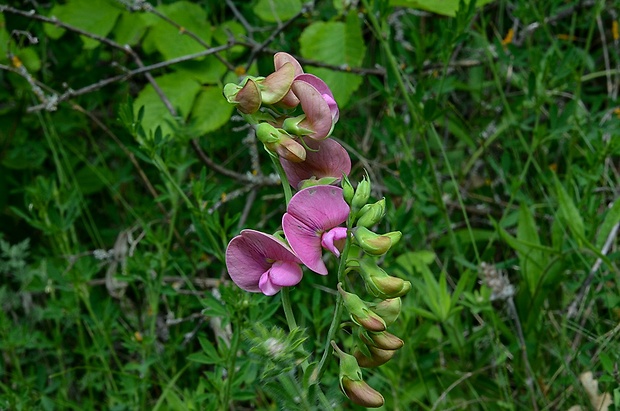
x=286, y=298
x=338, y=310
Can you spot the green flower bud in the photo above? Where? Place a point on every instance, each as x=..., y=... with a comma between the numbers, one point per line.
x=362, y=194
x=360, y=393
x=279, y=142
x=371, y=214
x=383, y=340
x=377, y=357
x=360, y=313
x=388, y=309
x=292, y=126
x=247, y=98
x=379, y=283
x=371, y=243
x=395, y=236
x=347, y=189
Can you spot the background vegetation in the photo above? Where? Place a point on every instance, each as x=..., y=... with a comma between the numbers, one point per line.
x=492, y=132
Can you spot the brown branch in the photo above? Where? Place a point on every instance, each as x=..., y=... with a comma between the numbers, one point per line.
x=122, y=77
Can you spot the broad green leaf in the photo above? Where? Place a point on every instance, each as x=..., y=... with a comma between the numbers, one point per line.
x=180, y=89
x=444, y=7
x=94, y=16
x=211, y=110
x=531, y=259
x=4, y=39
x=129, y=29
x=611, y=219
x=230, y=28
x=172, y=42
x=568, y=212
x=335, y=43
x=206, y=71
x=275, y=11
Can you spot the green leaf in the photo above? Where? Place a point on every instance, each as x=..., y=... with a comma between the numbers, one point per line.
x=611, y=219
x=129, y=29
x=415, y=260
x=211, y=110
x=444, y=7
x=532, y=261
x=339, y=44
x=170, y=41
x=180, y=89
x=276, y=11
x=94, y=16
x=568, y=213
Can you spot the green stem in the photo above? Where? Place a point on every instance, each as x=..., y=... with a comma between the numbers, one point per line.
x=285, y=184
x=288, y=310
x=339, y=305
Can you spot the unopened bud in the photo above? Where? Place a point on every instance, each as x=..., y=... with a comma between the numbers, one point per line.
x=292, y=126
x=278, y=141
x=388, y=309
x=371, y=214
x=383, y=340
x=274, y=87
x=377, y=357
x=371, y=243
x=395, y=236
x=362, y=194
x=347, y=189
x=360, y=393
x=360, y=313
x=247, y=98
x=379, y=283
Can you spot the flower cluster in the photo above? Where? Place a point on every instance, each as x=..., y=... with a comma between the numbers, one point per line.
x=294, y=114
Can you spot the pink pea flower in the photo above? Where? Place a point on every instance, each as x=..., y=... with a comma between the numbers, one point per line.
x=259, y=262
x=279, y=60
x=319, y=106
x=326, y=158
x=311, y=222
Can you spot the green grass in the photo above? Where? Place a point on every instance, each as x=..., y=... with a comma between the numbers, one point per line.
x=488, y=149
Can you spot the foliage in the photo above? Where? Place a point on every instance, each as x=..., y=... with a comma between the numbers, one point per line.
x=491, y=130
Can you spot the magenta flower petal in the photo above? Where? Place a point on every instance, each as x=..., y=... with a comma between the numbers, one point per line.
x=306, y=242
x=323, y=90
x=266, y=286
x=252, y=254
x=318, y=113
x=332, y=240
x=328, y=159
x=311, y=212
x=285, y=274
x=320, y=207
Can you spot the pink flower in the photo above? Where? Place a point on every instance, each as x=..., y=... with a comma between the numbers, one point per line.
x=326, y=158
x=311, y=222
x=259, y=262
x=279, y=60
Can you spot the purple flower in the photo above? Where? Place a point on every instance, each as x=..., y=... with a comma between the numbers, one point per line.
x=311, y=222
x=279, y=60
x=259, y=262
x=319, y=107
x=326, y=158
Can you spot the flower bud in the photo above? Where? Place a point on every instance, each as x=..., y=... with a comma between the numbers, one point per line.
x=360, y=393
x=292, y=125
x=379, y=283
x=395, y=236
x=371, y=243
x=362, y=194
x=360, y=313
x=371, y=214
x=278, y=141
x=247, y=98
x=388, y=309
x=383, y=340
x=347, y=190
x=377, y=357
x=274, y=87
